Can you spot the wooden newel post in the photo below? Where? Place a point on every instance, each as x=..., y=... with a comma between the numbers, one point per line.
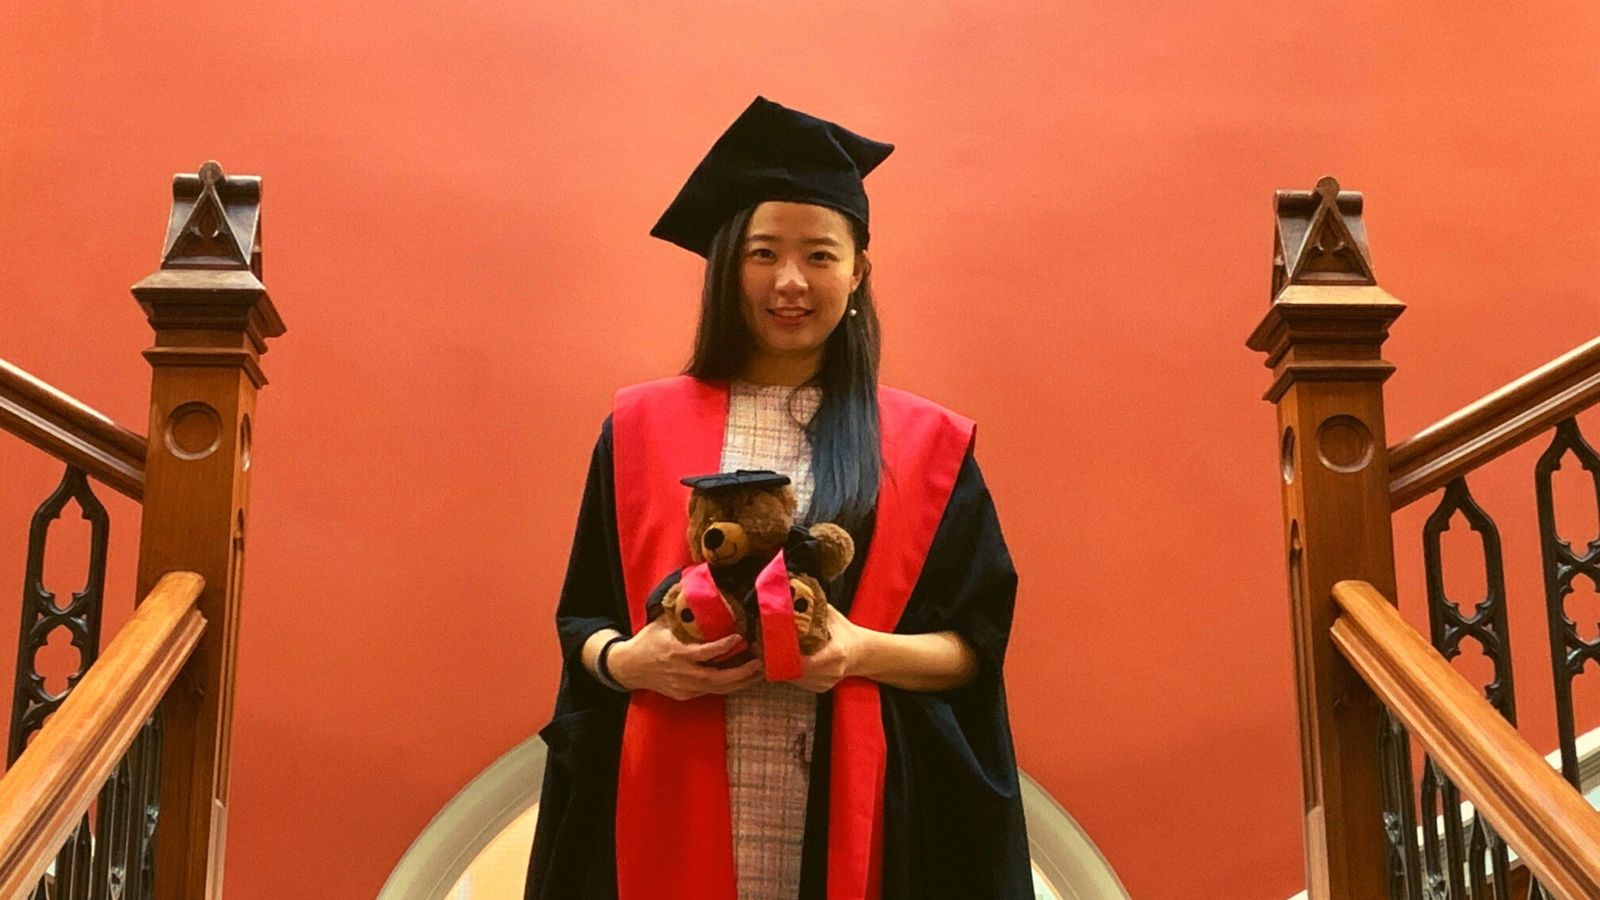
x=211, y=316
x=1324, y=338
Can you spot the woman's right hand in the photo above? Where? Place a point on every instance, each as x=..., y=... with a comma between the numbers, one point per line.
x=655, y=660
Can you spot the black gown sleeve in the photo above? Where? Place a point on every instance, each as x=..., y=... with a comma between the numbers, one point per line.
x=593, y=595
x=574, y=853
x=953, y=822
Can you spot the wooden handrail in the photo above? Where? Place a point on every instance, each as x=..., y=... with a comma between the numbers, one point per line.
x=44, y=796
x=1538, y=814
x=71, y=431
x=1494, y=424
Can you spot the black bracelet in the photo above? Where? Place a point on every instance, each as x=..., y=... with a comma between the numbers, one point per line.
x=603, y=673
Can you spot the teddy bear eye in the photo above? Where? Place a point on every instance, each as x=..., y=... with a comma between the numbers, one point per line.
x=687, y=616
x=801, y=604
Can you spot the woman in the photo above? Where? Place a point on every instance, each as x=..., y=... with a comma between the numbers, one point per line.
x=887, y=769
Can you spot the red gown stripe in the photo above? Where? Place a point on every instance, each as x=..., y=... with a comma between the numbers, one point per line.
x=674, y=832
x=923, y=447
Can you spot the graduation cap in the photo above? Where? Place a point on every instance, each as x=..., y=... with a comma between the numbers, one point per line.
x=771, y=152
x=752, y=478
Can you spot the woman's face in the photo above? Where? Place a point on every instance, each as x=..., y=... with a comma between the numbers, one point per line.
x=797, y=270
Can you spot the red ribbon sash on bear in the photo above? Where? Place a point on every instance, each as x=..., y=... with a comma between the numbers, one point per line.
x=674, y=828
x=703, y=598
x=780, y=645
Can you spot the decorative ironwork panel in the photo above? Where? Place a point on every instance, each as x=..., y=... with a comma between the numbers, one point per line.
x=1451, y=856
x=1436, y=853
x=1399, y=810
x=1569, y=651
x=114, y=857
x=31, y=702
x=1462, y=856
x=1448, y=625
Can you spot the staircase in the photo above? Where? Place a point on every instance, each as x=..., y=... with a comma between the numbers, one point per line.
x=1368, y=684
x=117, y=785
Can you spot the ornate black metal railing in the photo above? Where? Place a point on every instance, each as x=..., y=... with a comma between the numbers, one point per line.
x=1459, y=856
x=32, y=702
x=1470, y=850
x=111, y=853
x=1569, y=651
x=1399, y=810
x=1445, y=852
x=1448, y=626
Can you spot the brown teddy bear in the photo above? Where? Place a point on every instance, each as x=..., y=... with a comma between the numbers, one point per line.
x=739, y=522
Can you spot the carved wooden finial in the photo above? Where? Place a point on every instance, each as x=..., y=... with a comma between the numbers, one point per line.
x=1320, y=238
x=210, y=275
x=215, y=222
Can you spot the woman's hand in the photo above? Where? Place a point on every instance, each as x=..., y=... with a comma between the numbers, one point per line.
x=937, y=661
x=655, y=660
x=838, y=659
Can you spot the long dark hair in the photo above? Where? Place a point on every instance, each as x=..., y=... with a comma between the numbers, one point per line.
x=846, y=459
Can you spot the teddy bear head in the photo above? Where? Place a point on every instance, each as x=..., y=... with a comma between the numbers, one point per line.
x=687, y=627
x=734, y=516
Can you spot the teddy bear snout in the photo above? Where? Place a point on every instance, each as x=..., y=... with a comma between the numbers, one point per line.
x=724, y=542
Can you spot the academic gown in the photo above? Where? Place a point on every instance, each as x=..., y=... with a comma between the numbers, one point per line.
x=952, y=815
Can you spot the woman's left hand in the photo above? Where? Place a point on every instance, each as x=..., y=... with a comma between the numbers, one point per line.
x=839, y=659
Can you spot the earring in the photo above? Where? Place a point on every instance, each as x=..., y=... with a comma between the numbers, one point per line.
x=853, y=312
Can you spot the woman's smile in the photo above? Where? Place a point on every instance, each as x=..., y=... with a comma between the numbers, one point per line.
x=790, y=316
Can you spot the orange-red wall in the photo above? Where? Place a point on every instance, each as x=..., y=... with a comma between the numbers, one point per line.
x=1071, y=245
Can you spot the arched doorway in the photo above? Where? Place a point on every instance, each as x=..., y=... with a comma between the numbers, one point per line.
x=476, y=848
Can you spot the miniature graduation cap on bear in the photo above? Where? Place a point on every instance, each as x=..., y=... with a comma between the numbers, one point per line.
x=772, y=152
x=749, y=478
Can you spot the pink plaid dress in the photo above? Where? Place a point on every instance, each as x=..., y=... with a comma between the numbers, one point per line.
x=770, y=726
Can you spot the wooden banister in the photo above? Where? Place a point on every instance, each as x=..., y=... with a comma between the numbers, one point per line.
x=1538, y=814
x=71, y=431
x=44, y=796
x=1494, y=424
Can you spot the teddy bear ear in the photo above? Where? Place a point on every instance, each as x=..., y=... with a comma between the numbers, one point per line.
x=835, y=548
x=790, y=502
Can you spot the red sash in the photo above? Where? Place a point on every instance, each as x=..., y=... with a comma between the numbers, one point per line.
x=674, y=829
x=780, y=645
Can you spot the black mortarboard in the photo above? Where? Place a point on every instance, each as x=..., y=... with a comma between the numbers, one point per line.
x=771, y=152
x=741, y=478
